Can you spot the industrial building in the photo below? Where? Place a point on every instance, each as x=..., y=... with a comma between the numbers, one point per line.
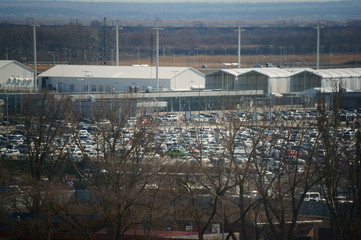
x=267, y=80
x=186, y=89
x=105, y=79
x=345, y=78
x=284, y=81
x=15, y=77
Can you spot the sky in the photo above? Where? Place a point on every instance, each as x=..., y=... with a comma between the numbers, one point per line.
x=239, y=1
x=207, y=0
x=234, y=1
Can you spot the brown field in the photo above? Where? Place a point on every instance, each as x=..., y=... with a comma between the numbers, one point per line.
x=216, y=62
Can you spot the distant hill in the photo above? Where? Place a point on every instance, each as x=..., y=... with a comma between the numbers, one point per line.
x=63, y=11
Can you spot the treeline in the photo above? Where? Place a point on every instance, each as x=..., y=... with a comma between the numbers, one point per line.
x=79, y=44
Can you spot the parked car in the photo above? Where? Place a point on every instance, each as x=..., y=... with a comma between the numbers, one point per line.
x=11, y=153
x=313, y=196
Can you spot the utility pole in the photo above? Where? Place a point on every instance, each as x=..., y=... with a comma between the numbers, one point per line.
x=117, y=28
x=240, y=24
x=318, y=27
x=157, y=28
x=34, y=47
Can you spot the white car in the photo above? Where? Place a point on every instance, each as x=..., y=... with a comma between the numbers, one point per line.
x=9, y=153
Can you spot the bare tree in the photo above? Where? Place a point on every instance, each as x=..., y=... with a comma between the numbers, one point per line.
x=125, y=165
x=341, y=171
x=44, y=158
x=281, y=176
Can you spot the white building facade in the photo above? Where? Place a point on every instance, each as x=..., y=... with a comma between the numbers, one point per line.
x=15, y=76
x=100, y=79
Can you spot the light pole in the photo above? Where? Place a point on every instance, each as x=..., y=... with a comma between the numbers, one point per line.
x=157, y=28
x=199, y=98
x=7, y=107
x=240, y=24
x=69, y=55
x=318, y=27
x=206, y=54
x=87, y=77
x=138, y=55
x=188, y=58
x=35, y=60
x=281, y=63
x=65, y=50
x=356, y=51
x=117, y=28
x=6, y=54
x=80, y=87
x=331, y=56
x=52, y=56
x=196, y=57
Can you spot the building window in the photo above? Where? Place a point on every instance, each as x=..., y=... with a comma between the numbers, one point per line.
x=71, y=88
x=108, y=88
x=101, y=88
x=50, y=87
x=94, y=88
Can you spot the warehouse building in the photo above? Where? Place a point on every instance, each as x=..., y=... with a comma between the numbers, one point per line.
x=345, y=78
x=103, y=79
x=265, y=80
x=15, y=77
x=284, y=81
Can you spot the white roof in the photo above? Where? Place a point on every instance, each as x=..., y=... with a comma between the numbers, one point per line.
x=129, y=72
x=271, y=72
x=3, y=63
x=338, y=72
x=274, y=72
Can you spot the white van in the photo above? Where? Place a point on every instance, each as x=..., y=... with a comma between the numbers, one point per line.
x=313, y=196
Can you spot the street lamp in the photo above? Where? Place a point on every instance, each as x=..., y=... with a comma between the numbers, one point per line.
x=7, y=107
x=281, y=61
x=117, y=28
x=206, y=54
x=318, y=27
x=34, y=41
x=80, y=87
x=157, y=28
x=196, y=54
x=6, y=54
x=52, y=56
x=138, y=55
x=199, y=98
x=65, y=50
x=240, y=24
x=199, y=121
x=331, y=56
x=188, y=57
x=87, y=77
